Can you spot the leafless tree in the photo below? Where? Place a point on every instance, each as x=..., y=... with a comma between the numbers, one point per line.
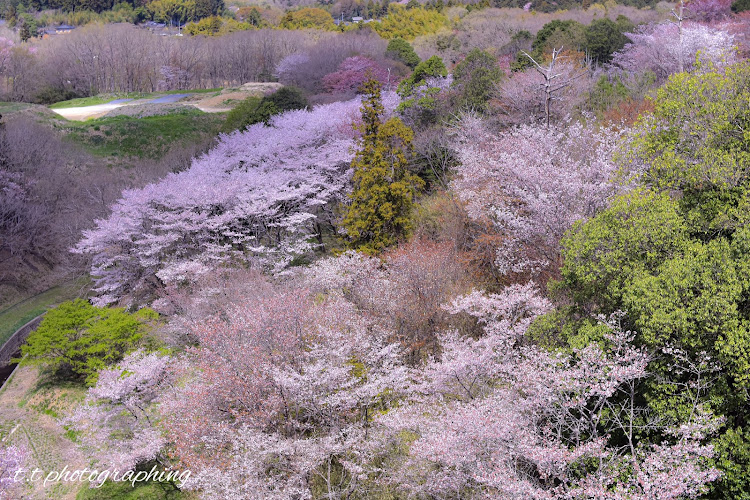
x=555, y=80
x=680, y=15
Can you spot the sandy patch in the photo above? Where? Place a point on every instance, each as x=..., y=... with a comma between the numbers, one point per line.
x=86, y=112
x=231, y=97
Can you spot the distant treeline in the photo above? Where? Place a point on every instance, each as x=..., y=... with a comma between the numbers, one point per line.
x=194, y=10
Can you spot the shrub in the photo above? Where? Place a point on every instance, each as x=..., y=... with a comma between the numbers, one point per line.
x=400, y=50
x=256, y=110
x=77, y=339
x=287, y=99
x=476, y=77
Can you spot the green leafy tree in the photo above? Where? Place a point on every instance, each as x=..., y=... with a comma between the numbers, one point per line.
x=165, y=11
x=431, y=67
x=208, y=26
x=379, y=214
x=698, y=137
x=604, y=37
x=288, y=98
x=251, y=15
x=250, y=111
x=674, y=257
x=607, y=92
x=208, y=8
x=555, y=31
x=476, y=77
x=400, y=50
x=570, y=35
x=419, y=102
x=25, y=32
x=77, y=339
x=632, y=235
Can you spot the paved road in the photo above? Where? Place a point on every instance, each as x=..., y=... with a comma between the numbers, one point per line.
x=168, y=99
x=119, y=101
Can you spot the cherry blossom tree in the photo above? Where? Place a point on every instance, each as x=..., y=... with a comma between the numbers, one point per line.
x=12, y=459
x=116, y=422
x=403, y=291
x=285, y=70
x=262, y=197
x=663, y=48
x=282, y=388
x=353, y=72
x=534, y=183
x=502, y=418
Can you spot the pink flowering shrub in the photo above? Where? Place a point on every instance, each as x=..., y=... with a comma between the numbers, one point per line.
x=353, y=72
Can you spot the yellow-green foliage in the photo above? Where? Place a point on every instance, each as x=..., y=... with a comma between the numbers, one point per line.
x=409, y=23
x=167, y=10
x=214, y=25
x=78, y=339
x=699, y=134
x=309, y=17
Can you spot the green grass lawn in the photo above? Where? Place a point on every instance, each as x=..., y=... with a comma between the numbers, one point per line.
x=92, y=101
x=13, y=107
x=143, y=491
x=149, y=137
x=17, y=315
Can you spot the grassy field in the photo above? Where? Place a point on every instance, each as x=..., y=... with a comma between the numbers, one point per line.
x=14, y=107
x=17, y=315
x=143, y=491
x=105, y=98
x=149, y=137
x=91, y=101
